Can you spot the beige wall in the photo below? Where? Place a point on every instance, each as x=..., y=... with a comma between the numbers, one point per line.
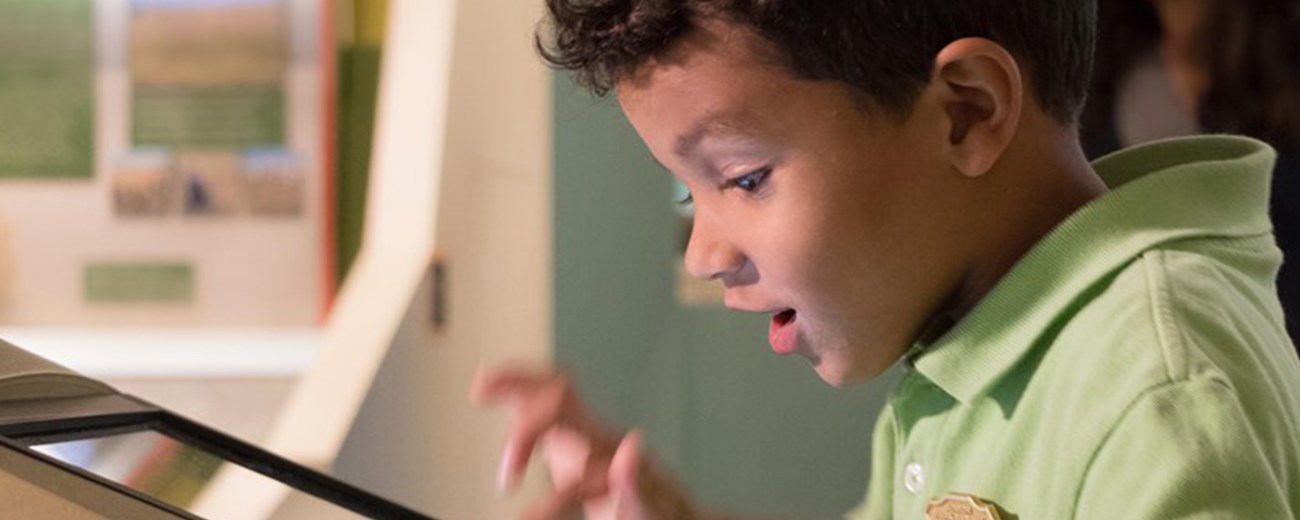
x=243, y=407
x=417, y=438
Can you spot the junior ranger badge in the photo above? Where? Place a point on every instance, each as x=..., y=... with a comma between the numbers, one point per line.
x=959, y=506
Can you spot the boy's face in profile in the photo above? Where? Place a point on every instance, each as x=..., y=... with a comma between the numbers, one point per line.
x=832, y=218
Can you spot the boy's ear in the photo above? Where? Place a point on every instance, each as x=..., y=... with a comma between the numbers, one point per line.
x=981, y=89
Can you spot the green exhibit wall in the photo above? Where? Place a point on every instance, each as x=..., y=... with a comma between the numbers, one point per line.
x=358, y=86
x=360, y=39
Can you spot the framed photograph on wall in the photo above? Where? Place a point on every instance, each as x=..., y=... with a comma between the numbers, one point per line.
x=204, y=200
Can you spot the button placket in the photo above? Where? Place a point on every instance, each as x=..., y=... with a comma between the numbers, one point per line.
x=918, y=405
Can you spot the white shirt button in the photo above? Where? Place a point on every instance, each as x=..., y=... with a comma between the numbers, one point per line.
x=914, y=477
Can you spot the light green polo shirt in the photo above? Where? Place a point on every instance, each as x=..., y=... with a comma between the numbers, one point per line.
x=1133, y=365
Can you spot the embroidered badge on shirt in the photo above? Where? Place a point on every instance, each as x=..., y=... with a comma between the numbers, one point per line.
x=959, y=506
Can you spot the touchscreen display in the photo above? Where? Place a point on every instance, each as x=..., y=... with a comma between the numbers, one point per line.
x=176, y=473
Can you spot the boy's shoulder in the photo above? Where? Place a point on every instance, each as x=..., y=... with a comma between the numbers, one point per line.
x=1194, y=295
x=1185, y=350
x=1132, y=361
x=1174, y=368
x=1194, y=310
x=1181, y=366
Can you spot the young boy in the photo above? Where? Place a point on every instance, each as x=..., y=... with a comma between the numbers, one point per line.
x=902, y=180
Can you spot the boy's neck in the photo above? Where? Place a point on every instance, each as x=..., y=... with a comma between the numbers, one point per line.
x=1044, y=178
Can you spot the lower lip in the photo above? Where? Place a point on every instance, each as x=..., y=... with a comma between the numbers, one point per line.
x=782, y=333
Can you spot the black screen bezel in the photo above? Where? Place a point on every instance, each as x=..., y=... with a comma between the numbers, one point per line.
x=27, y=423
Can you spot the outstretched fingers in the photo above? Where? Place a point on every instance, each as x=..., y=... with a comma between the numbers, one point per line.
x=542, y=401
x=491, y=386
x=624, y=478
x=568, y=499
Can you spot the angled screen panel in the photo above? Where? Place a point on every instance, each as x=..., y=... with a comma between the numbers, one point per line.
x=122, y=446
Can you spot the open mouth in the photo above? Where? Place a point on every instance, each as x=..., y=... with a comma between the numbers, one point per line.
x=782, y=334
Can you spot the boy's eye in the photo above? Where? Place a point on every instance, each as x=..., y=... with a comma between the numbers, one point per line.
x=682, y=194
x=750, y=181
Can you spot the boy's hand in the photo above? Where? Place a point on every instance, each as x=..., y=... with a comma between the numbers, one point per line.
x=602, y=473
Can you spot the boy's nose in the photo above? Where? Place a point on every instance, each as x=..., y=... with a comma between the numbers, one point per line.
x=710, y=256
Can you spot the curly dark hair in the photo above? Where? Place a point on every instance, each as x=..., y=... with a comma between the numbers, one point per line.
x=884, y=49
x=1253, y=61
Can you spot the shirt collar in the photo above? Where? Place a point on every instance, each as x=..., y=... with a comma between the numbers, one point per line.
x=1159, y=192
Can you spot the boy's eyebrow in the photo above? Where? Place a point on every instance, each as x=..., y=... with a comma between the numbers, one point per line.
x=713, y=123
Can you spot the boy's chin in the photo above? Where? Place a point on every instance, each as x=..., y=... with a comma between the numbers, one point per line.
x=837, y=374
x=842, y=373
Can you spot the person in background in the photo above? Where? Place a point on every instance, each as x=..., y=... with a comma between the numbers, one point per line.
x=1168, y=68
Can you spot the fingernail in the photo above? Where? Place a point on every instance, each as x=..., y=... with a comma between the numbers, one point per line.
x=503, y=472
